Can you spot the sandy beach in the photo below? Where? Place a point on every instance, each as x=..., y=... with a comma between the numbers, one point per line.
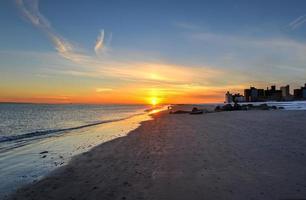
x=226, y=155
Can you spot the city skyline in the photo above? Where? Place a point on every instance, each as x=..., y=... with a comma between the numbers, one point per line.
x=272, y=93
x=144, y=51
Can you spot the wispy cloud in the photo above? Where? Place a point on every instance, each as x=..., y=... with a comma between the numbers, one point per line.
x=31, y=12
x=102, y=45
x=145, y=73
x=99, y=90
x=298, y=22
x=100, y=42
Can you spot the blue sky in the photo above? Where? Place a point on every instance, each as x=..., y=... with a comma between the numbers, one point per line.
x=221, y=45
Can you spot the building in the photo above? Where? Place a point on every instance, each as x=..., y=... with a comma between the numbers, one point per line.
x=238, y=98
x=300, y=94
x=273, y=94
x=261, y=95
x=297, y=94
x=228, y=97
x=285, y=91
x=251, y=94
x=286, y=96
x=247, y=94
x=270, y=94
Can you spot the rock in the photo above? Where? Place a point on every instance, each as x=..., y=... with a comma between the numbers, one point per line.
x=43, y=152
x=274, y=107
x=227, y=107
x=179, y=112
x=218, y=109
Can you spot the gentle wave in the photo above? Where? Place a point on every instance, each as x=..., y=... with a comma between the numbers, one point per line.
x=51, y=131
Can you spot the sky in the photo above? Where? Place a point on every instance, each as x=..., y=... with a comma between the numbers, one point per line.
x=101, y=51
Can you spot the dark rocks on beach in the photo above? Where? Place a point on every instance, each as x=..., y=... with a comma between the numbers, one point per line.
x=227, y=107
x=179, y=112
x=230, y=107
x=194, y=110
x=274, y=107
x=43, y=152
x=218, y=108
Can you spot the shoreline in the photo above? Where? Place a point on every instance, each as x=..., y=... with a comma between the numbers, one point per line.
x=34, y=161
x=224, y=155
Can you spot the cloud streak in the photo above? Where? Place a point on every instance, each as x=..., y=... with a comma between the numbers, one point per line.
x=298, y=22
x=30, y=10
x=99, y=90
x=102, y=45
x=100, y=42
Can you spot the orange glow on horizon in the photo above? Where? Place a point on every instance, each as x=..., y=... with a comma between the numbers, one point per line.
x=188, y=99
x=151, y=84
x=125, y=95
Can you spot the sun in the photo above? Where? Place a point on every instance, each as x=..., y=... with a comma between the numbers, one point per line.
x=154, y=101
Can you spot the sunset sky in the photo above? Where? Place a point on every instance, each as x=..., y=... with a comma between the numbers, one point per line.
x=98, y=51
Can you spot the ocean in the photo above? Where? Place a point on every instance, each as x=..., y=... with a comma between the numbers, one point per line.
x=38, y=138
x=30, y=121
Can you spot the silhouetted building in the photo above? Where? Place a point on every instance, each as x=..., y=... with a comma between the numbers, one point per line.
x=253, y=94
x=238, y=98
x=297, y=93
x=261, y=95
x=228, y=97
x=247, y=94
x=300, y=94
x=273, y=94
x=286, y=96
x=285, y=91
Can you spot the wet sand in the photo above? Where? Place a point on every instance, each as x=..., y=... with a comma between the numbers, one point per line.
x=226, y=155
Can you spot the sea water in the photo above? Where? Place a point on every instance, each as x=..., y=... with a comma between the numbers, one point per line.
x=37, y=138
